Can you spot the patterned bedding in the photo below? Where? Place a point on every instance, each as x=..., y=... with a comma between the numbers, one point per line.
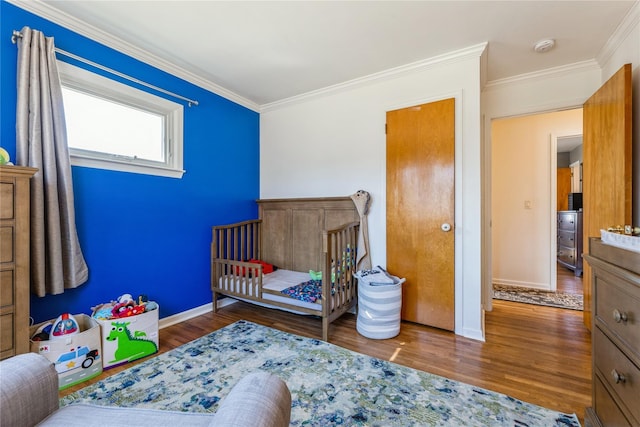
x=310, y=291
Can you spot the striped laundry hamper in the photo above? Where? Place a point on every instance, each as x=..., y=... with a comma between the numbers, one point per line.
x=379, y=306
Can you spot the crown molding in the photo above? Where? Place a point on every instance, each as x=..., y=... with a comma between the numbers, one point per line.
x=43, y=10
x=474, y=51
x=582, y=66
x=628, y=24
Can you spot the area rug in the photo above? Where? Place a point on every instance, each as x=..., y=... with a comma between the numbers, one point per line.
x=329, y=384
x=538, y=297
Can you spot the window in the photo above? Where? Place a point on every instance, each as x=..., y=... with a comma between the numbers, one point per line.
x=114, y=126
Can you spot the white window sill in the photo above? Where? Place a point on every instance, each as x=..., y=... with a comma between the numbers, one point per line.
x=124, y=166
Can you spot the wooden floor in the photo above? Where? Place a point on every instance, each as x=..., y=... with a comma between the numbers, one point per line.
x=541, y=355
x=568, y=282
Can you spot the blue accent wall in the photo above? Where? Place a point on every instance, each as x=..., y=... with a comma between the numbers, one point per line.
x=143, y=234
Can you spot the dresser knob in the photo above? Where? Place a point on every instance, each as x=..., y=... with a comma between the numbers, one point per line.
x=619, y=316
x=617, y=377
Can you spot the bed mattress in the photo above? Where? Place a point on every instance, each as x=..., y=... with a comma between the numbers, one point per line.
x=277, y=281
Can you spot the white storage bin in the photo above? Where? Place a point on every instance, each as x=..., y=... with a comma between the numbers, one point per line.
x=129, y=338
x=77, y=357
x=379, y=309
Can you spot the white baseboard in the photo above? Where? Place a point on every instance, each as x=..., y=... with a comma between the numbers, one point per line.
x=474, y=334
x=194, y=312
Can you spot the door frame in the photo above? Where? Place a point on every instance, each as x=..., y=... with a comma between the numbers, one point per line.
x=487, y=245
x=577, y=164
x=553, y=270
x=553, y=209
x=458, y=202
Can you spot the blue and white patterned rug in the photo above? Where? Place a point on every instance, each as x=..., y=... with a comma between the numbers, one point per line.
x=329, y=384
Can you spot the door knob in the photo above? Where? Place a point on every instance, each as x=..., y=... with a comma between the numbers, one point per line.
x=446, y=227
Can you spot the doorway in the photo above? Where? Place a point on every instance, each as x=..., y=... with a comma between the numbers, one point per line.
x=524, y=191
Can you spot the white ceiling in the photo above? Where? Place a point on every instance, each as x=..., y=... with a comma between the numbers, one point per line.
x=266, y=51
x=568, y=143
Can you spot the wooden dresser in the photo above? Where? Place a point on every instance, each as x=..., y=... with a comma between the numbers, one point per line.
x=616, y=336
x=570, y=240
x=14, y=259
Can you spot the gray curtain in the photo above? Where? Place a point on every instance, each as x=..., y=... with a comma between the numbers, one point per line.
x=362, y=200
x=57, y=262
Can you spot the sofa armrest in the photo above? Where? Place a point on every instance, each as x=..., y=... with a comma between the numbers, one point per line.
x=28, y=390
x=260, y=399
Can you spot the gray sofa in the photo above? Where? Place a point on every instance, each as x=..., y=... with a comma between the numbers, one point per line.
x=29, y=396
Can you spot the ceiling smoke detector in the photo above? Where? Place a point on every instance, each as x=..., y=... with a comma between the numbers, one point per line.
x=544, y=45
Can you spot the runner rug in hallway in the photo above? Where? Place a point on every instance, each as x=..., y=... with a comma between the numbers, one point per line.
x=538, y=297
x=329, y=384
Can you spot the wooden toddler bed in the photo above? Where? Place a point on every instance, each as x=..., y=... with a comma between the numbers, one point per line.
x=296, y=236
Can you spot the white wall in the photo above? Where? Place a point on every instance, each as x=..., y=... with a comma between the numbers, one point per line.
x=623, y=49
x=523, y=169
x=333, y=144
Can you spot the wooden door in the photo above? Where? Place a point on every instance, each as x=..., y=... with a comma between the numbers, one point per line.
x=420, y=201
x=564, y=188
x=607, y=164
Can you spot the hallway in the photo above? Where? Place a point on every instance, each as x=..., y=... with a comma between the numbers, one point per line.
x=568, y=282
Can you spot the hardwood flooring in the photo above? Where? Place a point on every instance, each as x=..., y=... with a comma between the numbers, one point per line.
x=538, y=354
x=567, y=281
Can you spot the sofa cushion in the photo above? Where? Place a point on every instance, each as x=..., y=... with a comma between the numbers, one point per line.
x=260, y=399
x=28, y=389
x=83, y=415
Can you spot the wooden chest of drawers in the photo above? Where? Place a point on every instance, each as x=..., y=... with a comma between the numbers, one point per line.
x=570, y=240
x=14, y=260
x=616, y=336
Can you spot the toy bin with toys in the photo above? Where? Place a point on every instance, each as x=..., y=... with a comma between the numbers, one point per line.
x=72, y=344
x=129, y=329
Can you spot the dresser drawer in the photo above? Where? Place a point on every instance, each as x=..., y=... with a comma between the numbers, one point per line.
x=6, y=244
x=567, y=255
x=567, y=221
x=7, y=205
x=7, y=294
x=622, y=376
x=608, y=412
x=567, y=239
x=618, y=309
x=7, y=336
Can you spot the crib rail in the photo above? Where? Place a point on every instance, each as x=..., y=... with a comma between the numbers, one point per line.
x=241, y=279
x=232, y=245
x=238, y=242
x=340, y=249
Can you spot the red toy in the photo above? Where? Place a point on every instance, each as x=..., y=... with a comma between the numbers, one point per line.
x=126, y=307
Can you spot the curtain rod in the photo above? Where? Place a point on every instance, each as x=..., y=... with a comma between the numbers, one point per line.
x=17, y=34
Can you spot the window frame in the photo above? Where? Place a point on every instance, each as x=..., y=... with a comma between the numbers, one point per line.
x=88, y=82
